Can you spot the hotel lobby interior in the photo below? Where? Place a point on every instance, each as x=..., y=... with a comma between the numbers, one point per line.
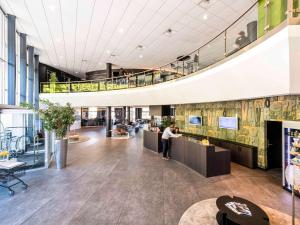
x=149, y=112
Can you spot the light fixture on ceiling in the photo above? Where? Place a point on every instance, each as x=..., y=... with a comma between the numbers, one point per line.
x=52, y=7
x=121, y=30
x=76, y=72
x=205, y=16
x=204, y=4
x=141, y=56
x=168, y=32
x=107, y=51
x=140, y=47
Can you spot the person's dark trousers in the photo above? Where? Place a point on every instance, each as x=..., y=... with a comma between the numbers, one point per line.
x=165, y=143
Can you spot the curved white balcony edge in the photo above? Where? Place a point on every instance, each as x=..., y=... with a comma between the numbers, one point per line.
x=271, y=68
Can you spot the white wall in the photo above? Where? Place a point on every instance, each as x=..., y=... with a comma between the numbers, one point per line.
x=264, y=70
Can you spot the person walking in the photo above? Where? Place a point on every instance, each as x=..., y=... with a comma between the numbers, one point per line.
x=168, y=132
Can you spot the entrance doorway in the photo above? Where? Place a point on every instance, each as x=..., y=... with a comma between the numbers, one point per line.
x=274, y=144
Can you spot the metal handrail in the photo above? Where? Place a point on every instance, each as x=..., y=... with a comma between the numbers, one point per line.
x=135, y=76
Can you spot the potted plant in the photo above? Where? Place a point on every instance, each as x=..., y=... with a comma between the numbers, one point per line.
x=56, y=118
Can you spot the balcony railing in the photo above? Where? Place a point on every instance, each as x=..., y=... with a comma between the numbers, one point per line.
x=259, y=19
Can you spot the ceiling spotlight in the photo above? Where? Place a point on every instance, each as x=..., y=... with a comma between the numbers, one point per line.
x=205, y=16
x=141, y=56
x=107, y=51
x=76, y=72
x=121, y=30
x=140, y=47
x=168, y=32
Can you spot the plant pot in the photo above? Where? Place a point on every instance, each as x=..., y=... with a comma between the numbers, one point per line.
x=61, y=153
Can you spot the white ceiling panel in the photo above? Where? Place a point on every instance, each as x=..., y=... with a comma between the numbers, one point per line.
x=78, y=36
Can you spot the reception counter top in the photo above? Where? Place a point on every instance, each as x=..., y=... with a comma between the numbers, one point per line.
x=208, y=160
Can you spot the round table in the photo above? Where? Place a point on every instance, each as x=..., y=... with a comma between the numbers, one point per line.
x=228, y=217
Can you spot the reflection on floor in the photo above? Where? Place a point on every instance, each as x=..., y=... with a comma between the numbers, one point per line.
x=118, y=182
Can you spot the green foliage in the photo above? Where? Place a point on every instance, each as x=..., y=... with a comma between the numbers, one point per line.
x=53, y=78
x=55, y=116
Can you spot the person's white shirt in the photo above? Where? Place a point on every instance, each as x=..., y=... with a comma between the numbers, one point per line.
x=167, y=133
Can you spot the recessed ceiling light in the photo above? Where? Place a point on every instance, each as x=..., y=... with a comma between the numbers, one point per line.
x=76, y=72
x=205, y=16
x=52, y=7
x=141, y=56
x=121, y=30
x=107, y=51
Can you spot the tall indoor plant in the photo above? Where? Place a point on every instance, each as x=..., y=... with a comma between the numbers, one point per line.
x=56, y=118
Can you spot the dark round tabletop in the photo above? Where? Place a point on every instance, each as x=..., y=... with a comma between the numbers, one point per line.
x=258, y=217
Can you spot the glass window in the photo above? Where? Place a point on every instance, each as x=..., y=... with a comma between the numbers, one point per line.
x=3, y=58
x=17, y=69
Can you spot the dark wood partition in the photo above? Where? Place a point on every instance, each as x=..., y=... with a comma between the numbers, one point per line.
x=152, y=140
x=208, y=160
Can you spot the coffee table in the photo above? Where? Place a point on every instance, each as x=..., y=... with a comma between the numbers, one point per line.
x=226, y=216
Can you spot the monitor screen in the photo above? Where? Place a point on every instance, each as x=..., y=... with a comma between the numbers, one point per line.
x=195, y=120
x=229, y=123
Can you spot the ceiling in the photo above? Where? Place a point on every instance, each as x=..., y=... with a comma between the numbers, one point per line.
x=78, y=36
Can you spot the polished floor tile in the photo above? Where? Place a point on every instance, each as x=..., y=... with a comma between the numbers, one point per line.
x=118, y=182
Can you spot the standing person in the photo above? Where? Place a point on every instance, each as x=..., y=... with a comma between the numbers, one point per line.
x=165, y=140
x=242, y=40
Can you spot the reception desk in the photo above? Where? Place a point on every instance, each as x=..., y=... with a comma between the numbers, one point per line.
x=152, y=141
x=208, y=160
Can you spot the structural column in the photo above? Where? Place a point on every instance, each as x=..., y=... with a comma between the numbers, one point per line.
x=30, y=74
x=128, y=114
x=11, y=59
x=23, y=67
x=108, y=121
x=36, y=81
x=124, y=115
x=108, y=70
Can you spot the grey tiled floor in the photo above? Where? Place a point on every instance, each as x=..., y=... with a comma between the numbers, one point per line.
x=117, y=182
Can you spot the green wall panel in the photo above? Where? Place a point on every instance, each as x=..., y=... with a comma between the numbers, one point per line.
x=277, y=14
x=252, y=115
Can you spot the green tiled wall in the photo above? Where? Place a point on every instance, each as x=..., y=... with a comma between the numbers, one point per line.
x=277, y=14
x=252, y=115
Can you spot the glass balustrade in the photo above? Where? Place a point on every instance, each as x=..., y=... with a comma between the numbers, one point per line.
x=254, y=23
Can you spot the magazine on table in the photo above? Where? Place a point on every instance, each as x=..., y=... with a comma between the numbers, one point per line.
x=239, y=208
